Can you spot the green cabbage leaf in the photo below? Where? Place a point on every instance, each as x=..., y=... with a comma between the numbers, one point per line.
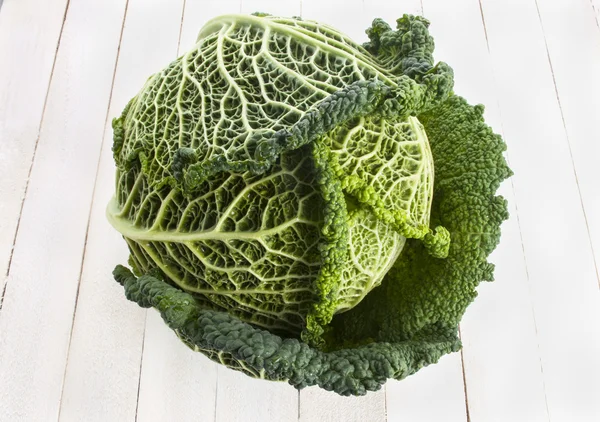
x=303, y=208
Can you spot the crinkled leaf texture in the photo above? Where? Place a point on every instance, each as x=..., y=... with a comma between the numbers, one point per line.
x=269, y=180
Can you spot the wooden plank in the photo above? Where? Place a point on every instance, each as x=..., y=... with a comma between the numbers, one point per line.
x=389, y=11
x=37, y=315
x=29, y=34
x=596, y=9
x=435, y=393
x=499, y=336
x=317, y=405
x=575, y=72
x=177, y=383
x=197, y=13
x=352, y=22
x=244, y=399
x=102, y=310
x=502, y=314
x=284, y=9
x=562, y=276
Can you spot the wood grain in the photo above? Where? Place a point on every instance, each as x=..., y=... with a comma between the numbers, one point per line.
x=244, y=399
x=575, y=66
x=286, y=9
x=37, y=313
x=177, y=383
x=323, y=406
x=435, y=393
x=560, y=263
x=29, y=35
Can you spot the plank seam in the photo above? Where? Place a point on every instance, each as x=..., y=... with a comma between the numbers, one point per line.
x=595, y=12
x=518, y=220
x=181, y=26
x=385, y=402
x=535, y=327
x=216, y=393
x=35, y=147
x=139, y=387
x=487, y=42
x=529, y=290
x=462, y=364
x=89, y=219
x=562, y=117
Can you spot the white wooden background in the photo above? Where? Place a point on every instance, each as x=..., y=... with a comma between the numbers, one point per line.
x=73, y=349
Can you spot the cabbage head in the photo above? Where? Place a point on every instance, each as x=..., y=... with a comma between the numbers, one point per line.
x=300, y=207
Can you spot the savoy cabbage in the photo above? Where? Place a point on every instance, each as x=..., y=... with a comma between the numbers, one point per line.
x=303, y=208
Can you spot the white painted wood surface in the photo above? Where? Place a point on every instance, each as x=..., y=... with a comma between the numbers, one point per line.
x=72, y=348
x=556, y=241
x=596, y=7
x=29, y=34
x=43, y=279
